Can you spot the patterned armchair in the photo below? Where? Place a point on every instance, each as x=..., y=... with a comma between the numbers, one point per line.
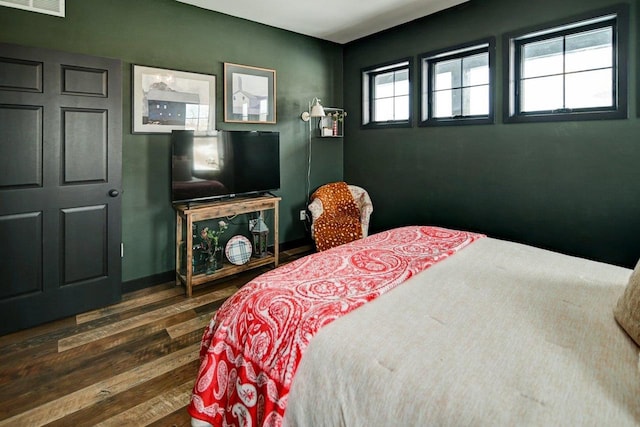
x=338, y=214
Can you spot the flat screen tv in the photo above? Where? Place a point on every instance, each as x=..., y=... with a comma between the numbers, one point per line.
x=229, y=164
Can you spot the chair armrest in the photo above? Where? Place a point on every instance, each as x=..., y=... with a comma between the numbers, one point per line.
x=316, y=210
x=365, y=206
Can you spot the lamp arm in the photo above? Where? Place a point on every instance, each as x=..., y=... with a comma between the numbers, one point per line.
x=315, y=110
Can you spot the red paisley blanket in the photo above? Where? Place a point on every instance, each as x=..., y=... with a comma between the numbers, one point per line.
x=251, y=348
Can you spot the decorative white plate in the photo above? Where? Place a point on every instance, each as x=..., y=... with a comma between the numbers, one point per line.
x=238, y=250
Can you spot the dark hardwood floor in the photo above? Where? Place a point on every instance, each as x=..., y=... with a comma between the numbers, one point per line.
x=130, y=364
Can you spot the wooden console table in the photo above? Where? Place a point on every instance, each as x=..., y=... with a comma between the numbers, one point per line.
x=185, y=217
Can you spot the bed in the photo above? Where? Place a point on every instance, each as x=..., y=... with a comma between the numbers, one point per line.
x=422, y=326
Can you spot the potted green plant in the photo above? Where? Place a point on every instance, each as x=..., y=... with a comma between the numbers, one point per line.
x=210, y=244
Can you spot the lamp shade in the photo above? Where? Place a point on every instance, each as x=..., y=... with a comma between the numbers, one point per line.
x=316, y=109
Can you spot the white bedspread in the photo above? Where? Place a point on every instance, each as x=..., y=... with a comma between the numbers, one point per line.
x=498, y=334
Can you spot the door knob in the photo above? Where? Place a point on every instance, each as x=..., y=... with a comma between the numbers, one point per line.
x=114, y=193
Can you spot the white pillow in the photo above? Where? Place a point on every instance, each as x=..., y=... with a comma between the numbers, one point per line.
x=627, y=311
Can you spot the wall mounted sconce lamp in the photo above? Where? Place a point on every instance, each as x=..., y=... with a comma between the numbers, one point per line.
x=315, y=110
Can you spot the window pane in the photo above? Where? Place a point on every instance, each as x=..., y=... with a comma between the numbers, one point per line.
x=589, y=89
x=385, y=94
x=383, y=85
x=476, y=70
x=475, y=101
x=541, y=94
x=402, y=82
x=383, y=110
x=402, y=107
x=589, y=50
x=571, y=71
x=447, y=103
x=444, y=80
x=447, y=74
x=542, y=58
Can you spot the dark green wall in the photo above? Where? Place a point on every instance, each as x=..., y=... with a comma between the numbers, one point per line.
x=169, y=34
x=572, y=186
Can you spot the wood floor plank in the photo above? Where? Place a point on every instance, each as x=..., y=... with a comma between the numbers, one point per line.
x=126, y=400
x=196, y=324
x=38, y=345
x=112, y=329
x=295, y=252
x=17, y=394
x=141, y=293
x=128, y=305
x=153, y=409
x=33, y=337
x=179, y=418
x=94, y=393
x=18, y=339
x=138, y=368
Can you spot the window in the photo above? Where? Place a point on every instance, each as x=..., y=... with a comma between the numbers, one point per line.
x=387, y=95
x=49, y=7
x=457, y=85
x=574, y=71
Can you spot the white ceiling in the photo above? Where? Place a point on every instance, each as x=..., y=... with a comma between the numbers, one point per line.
x=339, y=21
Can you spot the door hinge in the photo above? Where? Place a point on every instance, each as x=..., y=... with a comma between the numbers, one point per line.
x=121, y=250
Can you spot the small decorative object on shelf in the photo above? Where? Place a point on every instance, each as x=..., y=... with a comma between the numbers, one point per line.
x=210, y=246
x=238, y=250
x=333, y=122
x=260, y=232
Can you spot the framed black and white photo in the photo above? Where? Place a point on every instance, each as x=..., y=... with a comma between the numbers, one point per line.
x=164, y=100
x=249, y=94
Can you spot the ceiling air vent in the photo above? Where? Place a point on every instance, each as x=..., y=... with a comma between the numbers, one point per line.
x=50, y=7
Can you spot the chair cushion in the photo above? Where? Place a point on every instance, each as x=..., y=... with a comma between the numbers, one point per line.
x=340, y=219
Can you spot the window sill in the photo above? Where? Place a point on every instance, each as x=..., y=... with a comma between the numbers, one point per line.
x=457, y=122
x=568, y=117
x=387, y=125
